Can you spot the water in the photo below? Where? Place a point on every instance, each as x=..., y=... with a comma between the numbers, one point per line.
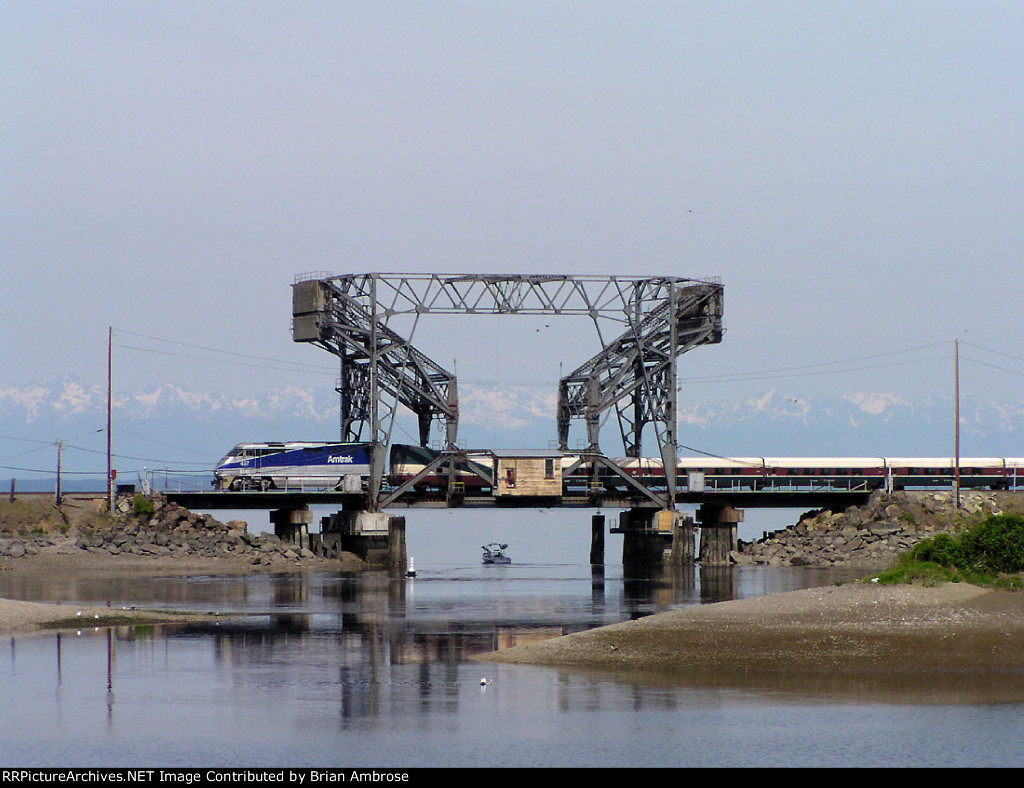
x=375, y=671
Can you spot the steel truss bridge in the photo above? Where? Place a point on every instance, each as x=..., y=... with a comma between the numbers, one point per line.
x=643, y=324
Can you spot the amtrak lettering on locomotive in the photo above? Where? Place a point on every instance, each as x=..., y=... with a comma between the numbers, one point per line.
x=296, y=464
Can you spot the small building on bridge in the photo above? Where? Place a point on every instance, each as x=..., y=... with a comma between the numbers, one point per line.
x=527, y=474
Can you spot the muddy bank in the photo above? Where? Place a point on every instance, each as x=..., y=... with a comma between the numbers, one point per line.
x=19, y=619
x=950, y=642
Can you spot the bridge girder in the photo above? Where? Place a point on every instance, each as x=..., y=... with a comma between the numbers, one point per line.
x=659, y=318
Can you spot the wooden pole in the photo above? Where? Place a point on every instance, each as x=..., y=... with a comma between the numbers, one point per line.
x=956, y=430
x=110, y=480
x=57, y=495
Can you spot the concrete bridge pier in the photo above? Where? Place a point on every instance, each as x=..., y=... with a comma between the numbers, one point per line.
x=292, y=525
x=717, y=533
x=376, y=537
x=654, y=538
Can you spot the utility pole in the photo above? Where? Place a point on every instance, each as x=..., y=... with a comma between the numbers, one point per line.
x=110, y=475
x=57, y=495
x=956, y=429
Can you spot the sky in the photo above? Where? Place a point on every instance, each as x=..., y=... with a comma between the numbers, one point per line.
x=851, y=172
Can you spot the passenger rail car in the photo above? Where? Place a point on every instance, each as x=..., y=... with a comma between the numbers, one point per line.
x=295, y=464
x=850, y=473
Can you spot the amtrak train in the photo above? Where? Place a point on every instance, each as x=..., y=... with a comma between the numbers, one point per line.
x=346, y=467
x=298, y=464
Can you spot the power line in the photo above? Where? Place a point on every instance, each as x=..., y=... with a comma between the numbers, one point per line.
x=856, y=359
x=743, y=377
x=716, y=456
x=217, y=350
x=27, y=440
x=158, y=443
x=995, y=352
x=993, y=366
x=290, y=366
x=53, y=471
x=130, y=457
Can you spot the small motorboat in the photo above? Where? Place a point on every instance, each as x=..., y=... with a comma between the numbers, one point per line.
x=494, y=553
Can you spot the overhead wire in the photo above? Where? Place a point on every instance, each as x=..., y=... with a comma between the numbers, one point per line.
x=805, y=370
x=289, y=366
x=288, y=363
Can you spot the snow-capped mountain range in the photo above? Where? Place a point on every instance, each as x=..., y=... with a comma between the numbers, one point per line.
x=178, y=426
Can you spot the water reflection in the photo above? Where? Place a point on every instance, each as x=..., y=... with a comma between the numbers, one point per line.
x=386, y=661
x=361, y=625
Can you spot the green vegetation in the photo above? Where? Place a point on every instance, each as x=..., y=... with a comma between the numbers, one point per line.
x=989, y=553
x=142, y=506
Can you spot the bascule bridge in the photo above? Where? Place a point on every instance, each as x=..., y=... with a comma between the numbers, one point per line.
x=643, y=324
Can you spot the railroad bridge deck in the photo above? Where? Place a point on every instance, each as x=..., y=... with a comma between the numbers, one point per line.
x=779, y=498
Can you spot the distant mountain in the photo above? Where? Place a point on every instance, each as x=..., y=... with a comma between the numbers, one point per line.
x=857, y=424
x=177, y=427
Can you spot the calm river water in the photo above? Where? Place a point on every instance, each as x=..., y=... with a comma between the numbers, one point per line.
x=373, y=671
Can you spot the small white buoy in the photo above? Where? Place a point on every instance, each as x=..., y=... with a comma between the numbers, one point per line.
x=484, y=682
x=411, y=571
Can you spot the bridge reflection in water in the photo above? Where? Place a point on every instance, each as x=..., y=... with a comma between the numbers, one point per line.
x=355, y=633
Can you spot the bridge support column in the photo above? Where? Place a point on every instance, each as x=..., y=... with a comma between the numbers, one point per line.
x=717, y=533
x=292, y=525
x=376, y=537
x=648, y=536
x=597, y=540
x=683, y=533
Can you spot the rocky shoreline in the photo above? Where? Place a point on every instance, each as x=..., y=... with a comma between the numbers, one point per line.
x=163, y=531
x=876, y=533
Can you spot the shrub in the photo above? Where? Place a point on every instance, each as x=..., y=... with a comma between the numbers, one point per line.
x=943, y=550
x=996, y=544
x=142, y=506
x=993, y=546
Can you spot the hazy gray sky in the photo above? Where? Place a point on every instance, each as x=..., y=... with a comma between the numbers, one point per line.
x=852, y=171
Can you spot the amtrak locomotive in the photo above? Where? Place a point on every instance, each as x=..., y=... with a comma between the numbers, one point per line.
x=296, y=464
